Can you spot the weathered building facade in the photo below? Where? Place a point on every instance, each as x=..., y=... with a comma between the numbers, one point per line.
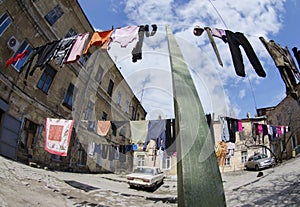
x=245, y=145
x=286, y=113
x=88, y=90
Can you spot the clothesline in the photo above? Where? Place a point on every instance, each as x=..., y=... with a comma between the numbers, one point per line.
x=69, y=50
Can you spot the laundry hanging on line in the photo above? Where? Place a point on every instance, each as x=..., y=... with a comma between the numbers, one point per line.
x=125, y=35
x=229, y=126
x=16, y=58
x=284, y=63
x=234, y=40
x=101, y=39
x=259, y=131
x=57, y=135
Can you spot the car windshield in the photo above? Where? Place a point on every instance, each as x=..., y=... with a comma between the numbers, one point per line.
x=144, y=171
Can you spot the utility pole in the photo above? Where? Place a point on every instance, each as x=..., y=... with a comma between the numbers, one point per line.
x=199, y=180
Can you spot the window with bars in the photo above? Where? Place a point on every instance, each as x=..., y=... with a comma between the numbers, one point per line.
x=46, y=79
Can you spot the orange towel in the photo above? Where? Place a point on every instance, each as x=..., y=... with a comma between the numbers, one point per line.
x=101, y=39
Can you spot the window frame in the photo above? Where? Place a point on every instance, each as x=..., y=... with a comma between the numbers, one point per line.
x=84, y=58
x=110, y=87
x=104, y=116
x=49, y=72
x=71, y=32
x=53, y=15
x=89, y=110
x=5, y=23
x=69, y=96
x=227, y=160
x=140, y=160
x=99, y=74
x=166, y=163
x=18, y=65
x=119, y=98
x=244, y=155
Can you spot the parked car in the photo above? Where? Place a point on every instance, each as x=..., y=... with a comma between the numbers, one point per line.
x=259, y=161
x=145, y=177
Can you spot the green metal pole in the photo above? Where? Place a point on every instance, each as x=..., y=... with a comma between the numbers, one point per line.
x=199, y=178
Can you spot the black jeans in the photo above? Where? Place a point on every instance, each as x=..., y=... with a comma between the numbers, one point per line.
x=234, y=41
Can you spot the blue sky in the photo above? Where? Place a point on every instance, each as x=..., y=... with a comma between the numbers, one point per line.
x=221, y=91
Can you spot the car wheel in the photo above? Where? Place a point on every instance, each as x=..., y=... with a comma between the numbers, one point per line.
x=256, y=168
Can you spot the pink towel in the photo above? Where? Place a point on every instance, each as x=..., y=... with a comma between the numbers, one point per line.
x=77, y=48
x=103, y=127
x=240, y=125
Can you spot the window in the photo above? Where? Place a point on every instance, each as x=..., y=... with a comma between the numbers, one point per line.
x=133, y=113
x=27, y=135
x=293, y=142
x=119, y=98
x=24, y=46
x=56, y=158
x=244, y=156
x=110, y=87
x=104, y=116
x=99, y=74
x=84, y=58
x=89, y=110
x=46, y=79
x=69, y=96
x=81, y=156
x=227, y=160
x=166, y=163
x=127, y=106
x=141, y=160
x=282, y=146
x=70, y=33
x=5, y=21
x=53, y=15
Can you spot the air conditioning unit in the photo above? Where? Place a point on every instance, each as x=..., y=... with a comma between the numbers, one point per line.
x=13, y=43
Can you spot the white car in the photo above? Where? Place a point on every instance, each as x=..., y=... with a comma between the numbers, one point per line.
x=259, y=161
x=145, y=177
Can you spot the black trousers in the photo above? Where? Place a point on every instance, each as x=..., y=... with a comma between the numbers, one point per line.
x=234, y=41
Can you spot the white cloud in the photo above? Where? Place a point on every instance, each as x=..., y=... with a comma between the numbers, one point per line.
x=253, y=18
x=242, y=93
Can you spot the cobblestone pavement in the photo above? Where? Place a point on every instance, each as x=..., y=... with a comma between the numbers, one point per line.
x=279, y=186
x=22, y=185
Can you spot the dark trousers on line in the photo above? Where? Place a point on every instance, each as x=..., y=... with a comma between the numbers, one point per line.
x=234, y=41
